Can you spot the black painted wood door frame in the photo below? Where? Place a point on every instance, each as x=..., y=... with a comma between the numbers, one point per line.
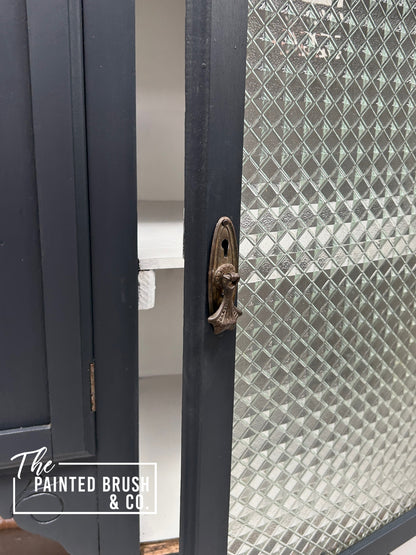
x=109, y=59
x=216, y=34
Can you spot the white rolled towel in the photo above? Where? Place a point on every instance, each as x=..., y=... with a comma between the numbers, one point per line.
x=147, y=288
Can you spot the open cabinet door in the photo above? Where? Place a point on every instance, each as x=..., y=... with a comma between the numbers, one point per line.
x=68, y=260
x=300, y=436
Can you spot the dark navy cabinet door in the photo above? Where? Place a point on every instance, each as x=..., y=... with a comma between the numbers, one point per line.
x=298, y=430
x=46, y=340
x=68, y=252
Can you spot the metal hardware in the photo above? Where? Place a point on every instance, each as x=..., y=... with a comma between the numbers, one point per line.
x=92, y=387
x=223, y=277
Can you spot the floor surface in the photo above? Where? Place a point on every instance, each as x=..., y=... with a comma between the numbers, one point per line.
x=20, y=542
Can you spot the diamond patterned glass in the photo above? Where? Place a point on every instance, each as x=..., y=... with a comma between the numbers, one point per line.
x=324, y=448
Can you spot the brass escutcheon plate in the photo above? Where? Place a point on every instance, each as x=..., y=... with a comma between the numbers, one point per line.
x=223, y=263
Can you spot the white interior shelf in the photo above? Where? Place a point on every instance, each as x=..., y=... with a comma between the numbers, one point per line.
x=160, y=231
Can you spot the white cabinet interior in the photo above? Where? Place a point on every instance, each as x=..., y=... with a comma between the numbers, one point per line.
x=160, y=232
x=160, y=108
x=408, y=548
x=160, y=400
x=160, y=68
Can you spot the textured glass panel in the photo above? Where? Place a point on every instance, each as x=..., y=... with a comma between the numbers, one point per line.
x=324, y=446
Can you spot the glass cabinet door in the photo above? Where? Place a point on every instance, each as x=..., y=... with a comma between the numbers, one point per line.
x=325, y=390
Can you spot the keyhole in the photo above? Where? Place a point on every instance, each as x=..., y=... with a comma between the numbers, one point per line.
x=224, y=245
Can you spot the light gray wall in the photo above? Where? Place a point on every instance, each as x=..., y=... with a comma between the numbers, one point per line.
x=161, y=328
x=160, y=55
x=160, y=442
x=409, y=548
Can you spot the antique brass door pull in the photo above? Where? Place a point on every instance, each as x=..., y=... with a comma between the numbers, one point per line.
x=223, y=277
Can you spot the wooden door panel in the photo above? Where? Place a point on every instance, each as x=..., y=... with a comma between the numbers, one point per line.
x=42, y=107
x=24, y=381
x=45, y=279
